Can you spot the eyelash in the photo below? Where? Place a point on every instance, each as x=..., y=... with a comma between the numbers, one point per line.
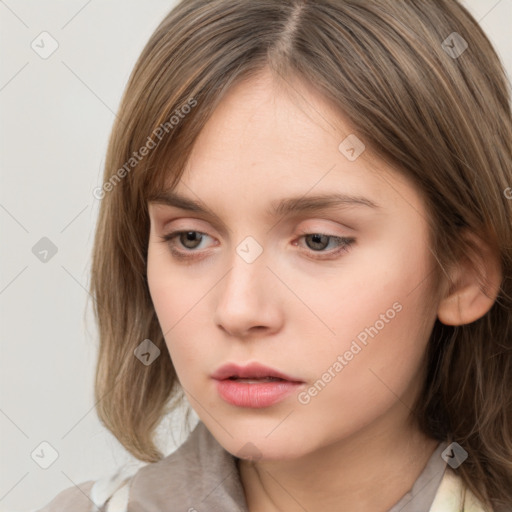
x=345, y=244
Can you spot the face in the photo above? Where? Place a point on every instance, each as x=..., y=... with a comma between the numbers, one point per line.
x=335, y=297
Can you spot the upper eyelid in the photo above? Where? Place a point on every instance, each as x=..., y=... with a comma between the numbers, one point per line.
x=300, y=233
x=162, y=220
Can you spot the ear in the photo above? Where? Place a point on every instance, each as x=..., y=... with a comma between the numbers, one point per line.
x=474, y=285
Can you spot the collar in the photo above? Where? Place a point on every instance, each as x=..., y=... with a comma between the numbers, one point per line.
x=199, y=475
x=202, y=475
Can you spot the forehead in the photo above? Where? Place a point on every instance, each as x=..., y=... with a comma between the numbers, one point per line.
x=267, y=140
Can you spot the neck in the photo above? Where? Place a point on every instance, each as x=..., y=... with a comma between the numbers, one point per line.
x=363, y=473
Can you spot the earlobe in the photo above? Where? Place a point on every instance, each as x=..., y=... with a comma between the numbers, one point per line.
x=473, y=287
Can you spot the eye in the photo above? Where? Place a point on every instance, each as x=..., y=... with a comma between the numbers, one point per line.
x=191, y=240
x=319, y=241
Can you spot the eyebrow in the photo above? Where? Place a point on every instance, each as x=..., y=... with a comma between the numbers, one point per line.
x=282, y=207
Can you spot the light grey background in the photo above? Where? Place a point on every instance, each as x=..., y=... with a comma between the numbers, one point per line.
x=56, y=115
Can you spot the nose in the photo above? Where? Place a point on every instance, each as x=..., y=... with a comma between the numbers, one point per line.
x=248, y=301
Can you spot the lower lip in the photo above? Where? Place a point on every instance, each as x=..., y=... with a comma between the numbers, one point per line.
x=255, y=395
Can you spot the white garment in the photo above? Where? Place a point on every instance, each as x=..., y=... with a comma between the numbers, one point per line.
x=113, y=491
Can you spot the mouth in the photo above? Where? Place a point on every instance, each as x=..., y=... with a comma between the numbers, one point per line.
x=257, y=381
x=254, y=386
x=253, y=373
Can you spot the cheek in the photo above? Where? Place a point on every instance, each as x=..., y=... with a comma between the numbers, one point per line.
x=172, y=290
x=178, y=299
x=371, y=379
x=379, y=312
x=159, y=284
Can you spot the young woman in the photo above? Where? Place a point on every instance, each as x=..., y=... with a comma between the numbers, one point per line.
x=306, y=231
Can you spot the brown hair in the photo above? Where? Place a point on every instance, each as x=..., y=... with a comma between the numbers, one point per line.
x=442, y=118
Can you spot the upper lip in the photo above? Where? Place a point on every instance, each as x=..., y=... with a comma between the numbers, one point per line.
x=253, y=370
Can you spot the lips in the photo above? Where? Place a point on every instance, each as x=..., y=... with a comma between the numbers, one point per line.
x=254, y=386
x=254, y=371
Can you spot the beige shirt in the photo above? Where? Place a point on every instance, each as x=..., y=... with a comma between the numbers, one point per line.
x=201, y=476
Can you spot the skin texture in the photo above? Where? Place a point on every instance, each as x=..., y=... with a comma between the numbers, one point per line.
x=352, y=446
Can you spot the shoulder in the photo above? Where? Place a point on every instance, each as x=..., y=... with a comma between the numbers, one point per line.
x=453, y=496
x=75, y=498
x=186, y=476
